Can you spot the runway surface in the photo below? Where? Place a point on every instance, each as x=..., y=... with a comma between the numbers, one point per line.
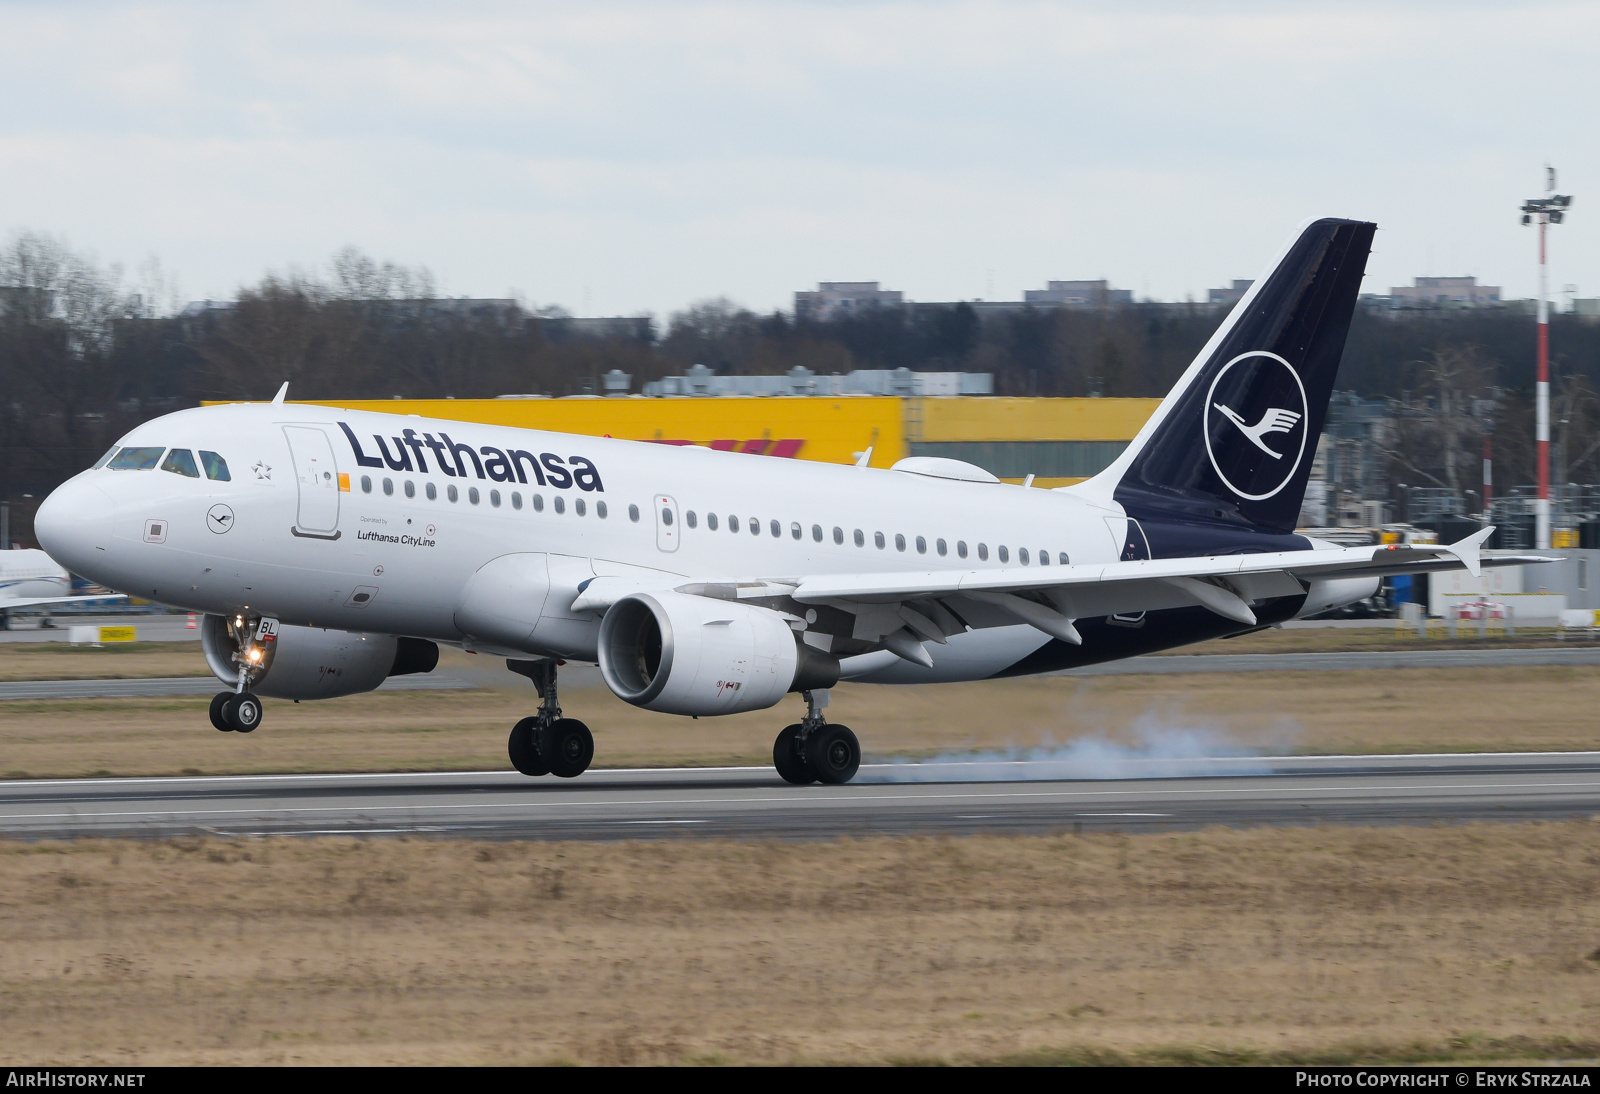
x=754, y=803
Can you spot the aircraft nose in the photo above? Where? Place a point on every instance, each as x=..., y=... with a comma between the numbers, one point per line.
x=73, y=525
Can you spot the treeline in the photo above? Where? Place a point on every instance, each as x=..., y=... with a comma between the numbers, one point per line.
x=83, y=358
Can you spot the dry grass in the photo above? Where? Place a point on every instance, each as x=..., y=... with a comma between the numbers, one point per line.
x=1331, y=945
x=118, y=661
x=1407, y=710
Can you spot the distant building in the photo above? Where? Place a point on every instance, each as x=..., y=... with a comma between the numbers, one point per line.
x=1077, y=294
x=1231, y=295
x=1588, y=307
x=618, y=328
x=842, y=299
x=1445, y=292
x=700, y=380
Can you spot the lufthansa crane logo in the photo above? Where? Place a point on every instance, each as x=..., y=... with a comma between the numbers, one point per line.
x=1255, y=431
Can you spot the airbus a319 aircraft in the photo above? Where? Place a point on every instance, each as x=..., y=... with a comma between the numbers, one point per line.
x=331, y=549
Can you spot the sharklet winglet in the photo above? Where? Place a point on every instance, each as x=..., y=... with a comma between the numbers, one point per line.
x=1467, y=550
x=277, y=400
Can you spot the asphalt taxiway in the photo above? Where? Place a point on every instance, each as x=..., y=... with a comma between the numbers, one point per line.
x=893, y=798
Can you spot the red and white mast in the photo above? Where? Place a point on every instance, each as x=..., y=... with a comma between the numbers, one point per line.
x=1550, y=209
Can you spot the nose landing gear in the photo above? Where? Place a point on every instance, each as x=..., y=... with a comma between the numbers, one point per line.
x=235, y=712
x=811, y=750
x=254, y=641
x=546, y=743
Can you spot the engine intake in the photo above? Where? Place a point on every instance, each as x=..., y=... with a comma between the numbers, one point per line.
x=685, y=654
x=311, y=663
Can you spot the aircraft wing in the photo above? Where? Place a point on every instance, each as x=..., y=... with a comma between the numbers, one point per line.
x=37, y=601
x=1393, y=559
x=899, y=610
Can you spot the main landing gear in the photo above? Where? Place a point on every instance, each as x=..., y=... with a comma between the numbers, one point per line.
x=811, y=750
x=546, y=743
x=235, y=712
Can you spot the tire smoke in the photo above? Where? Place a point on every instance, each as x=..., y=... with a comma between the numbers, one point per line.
x=1158, y=750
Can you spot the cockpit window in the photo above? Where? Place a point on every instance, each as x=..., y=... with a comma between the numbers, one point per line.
x=103, y=460
x=180, y=461
x=216, y=467
x=136, y=459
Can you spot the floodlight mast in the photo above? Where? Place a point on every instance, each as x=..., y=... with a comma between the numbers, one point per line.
x=1550, y=209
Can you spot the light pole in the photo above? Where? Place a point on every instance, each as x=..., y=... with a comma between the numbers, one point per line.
x=1550, y=209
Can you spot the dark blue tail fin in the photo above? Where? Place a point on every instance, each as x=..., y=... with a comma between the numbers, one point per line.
x=1234, y=440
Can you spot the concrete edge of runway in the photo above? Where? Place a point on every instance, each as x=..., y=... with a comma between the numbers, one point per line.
x=1134, y=769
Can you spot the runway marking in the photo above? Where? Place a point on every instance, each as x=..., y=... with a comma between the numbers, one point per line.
x=815, y=801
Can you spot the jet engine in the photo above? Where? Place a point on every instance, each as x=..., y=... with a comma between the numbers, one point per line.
x=308, y=662
x=685, y=654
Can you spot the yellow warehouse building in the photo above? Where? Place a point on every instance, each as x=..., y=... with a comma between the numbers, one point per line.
x=1060, y=441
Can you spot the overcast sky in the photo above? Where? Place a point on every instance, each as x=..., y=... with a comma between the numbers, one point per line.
x=618, y=158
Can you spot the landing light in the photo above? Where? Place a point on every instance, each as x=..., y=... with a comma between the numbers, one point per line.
x=255, y=655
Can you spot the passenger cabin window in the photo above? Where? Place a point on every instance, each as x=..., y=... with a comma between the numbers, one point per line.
x=1005, y=555
x=560, y=503
x=1044, y=558
x=983, y=552
x=794, y=531
x=579, y=507
x=1022, y=555
x=452, y=493
x=861, y=538
x=877, y=540
x=776, y=529
x=516, y=498
x=711, y=521
x=1062, y=558
x=432, y=491
x=899, y=542
x=216, y=467
x=816, y=533
x=411, y=489
x=733, y=524
x=136, y=459
x=943, y=549
x=494, y=498
x=366, y=484
x=472, y=492
x=961, y=548
x=755, y=527
x=538, y=504
x=600, y=509
x=689, y=518
x=838, y=535
x=388, y=490
x=633, y=513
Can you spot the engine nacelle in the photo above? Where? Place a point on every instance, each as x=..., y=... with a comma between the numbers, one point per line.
x=1331, y=592
x=685, y=654
x=311, y=663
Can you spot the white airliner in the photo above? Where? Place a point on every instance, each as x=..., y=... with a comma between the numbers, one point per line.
x=331, y=549
x=32, y=579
